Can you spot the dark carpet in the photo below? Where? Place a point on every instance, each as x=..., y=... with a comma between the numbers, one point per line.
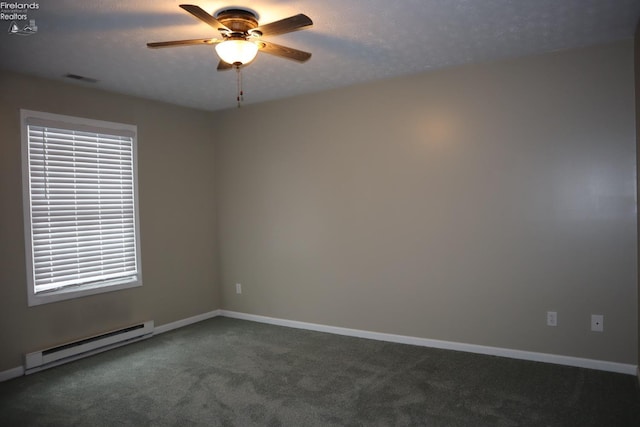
x=227, y=372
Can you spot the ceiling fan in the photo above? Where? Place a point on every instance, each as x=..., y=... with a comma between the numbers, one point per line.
x=242, y=36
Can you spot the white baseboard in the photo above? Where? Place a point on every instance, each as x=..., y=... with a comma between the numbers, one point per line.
x=11, y=373
x=184, y=322
x=601, y=365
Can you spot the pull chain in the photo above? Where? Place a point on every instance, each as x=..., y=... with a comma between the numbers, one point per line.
x=240, y=95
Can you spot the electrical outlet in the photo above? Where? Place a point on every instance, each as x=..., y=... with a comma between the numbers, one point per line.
x=597, y=322
x=238, y=288
x=552, y=318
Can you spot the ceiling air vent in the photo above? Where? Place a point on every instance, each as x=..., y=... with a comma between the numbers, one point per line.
x=80, y=78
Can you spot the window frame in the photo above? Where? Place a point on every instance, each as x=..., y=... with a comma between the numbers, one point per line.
x=80, y=290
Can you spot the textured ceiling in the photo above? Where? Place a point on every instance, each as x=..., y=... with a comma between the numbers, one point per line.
x=352, y=41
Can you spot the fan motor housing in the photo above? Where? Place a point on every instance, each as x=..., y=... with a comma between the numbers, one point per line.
x=237, y=20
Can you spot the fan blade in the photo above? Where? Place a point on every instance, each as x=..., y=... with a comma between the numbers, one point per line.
x=182, y=43
x=223, y=66
x=202, y=15
x=285, y=25
x=283, y=51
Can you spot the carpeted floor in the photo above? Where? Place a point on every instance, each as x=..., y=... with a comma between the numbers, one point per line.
x=227, y=372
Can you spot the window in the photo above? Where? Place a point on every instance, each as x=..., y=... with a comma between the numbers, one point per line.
x=80, y=206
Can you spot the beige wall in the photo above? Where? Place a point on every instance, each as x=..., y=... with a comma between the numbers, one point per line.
x=177, y=216
x=458, y=205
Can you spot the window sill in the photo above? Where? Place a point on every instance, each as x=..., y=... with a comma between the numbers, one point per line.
x=81, y=291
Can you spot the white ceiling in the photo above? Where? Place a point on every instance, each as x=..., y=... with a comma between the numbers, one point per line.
x=352, y=41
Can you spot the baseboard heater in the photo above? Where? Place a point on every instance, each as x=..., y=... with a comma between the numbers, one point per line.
x=54, y=356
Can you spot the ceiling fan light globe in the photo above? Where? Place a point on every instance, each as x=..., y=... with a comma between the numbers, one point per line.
x=237, y=51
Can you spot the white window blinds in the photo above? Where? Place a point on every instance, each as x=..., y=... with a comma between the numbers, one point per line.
x=82, y=206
